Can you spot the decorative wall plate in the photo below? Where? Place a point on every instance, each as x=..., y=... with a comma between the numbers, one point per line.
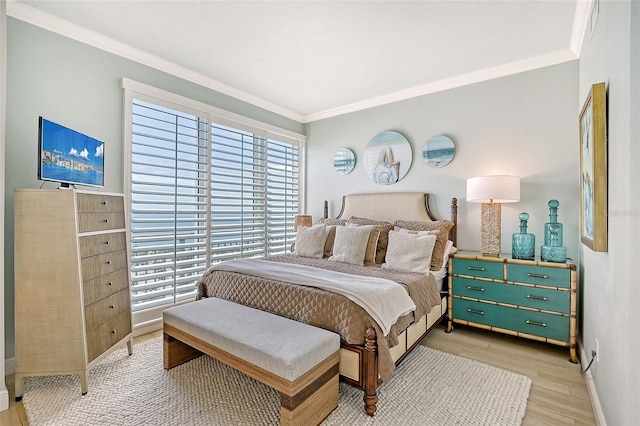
x=344, y=161
x=438, y=151
x=387, y=158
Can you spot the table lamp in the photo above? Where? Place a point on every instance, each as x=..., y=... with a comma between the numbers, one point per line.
x=302, y=220
x=492, y=191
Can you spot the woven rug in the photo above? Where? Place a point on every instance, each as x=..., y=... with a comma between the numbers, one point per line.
x=429, y=388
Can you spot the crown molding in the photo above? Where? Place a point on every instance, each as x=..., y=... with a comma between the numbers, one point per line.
x=84, y=35
x=486, y=74
x=580, y=24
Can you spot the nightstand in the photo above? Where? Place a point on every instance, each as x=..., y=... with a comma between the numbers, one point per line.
x=526, y=298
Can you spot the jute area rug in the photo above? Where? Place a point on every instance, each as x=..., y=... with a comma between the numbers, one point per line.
x=429, y=388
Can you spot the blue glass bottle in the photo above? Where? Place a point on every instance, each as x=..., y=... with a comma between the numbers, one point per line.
x=523, y=245
x=553, y=250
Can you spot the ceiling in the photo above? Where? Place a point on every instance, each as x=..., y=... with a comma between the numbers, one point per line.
x=309, y=60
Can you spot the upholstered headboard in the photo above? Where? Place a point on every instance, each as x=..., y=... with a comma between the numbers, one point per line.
x=393, y=206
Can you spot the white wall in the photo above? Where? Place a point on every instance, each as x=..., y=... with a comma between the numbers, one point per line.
x=524, y=125
x=609, y=287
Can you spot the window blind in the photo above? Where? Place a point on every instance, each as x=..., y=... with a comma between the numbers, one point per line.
x=203, y=190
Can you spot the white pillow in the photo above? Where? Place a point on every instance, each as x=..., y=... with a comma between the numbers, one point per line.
x=350, y=244
x=409, y=252
x=310, y=241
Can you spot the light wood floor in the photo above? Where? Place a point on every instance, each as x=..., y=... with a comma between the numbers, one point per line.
x=558, y=395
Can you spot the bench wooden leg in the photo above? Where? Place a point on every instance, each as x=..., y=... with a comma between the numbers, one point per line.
x=177, y=352
x=312, y=405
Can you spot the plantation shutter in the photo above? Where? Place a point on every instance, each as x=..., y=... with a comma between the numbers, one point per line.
x=283, y=192
x=169, y=204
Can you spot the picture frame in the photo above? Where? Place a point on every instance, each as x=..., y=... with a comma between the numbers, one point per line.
x=593, y=169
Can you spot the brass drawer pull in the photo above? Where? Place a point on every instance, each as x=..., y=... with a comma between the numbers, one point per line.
x=541, y=324
x=532, y=296
x=473, y=311
x=476, y=268
x=107, y=242
x=106, y=221
x=104, y=203
x=108, y=262
x=112, y=306
x=538, y=276
x=113, y=331
x=475, y=288
x=110, y=283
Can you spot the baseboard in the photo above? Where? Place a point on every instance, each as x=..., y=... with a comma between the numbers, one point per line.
x=147, y=327
x=591, y=387
x=4, y=400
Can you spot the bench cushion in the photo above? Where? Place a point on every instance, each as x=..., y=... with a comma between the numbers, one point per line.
x=280, y=345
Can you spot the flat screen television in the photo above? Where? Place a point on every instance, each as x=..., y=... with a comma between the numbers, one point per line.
x=68, y=156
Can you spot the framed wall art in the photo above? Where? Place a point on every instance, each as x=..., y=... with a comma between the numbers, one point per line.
x=593, y=169
x=388, y=157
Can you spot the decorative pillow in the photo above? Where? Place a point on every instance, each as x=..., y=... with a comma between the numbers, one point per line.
x=331, y=236
x=409, y=252
x=442, y=226
x=350, y=244
x=383, y=238
x=372, y=243
x=329, y=221
x=310, y=241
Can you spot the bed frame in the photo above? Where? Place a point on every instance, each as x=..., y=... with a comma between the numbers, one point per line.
x=359, y=363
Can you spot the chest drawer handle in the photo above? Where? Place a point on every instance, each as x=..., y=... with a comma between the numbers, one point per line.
x=104, y=203
x=533, y=296
x=476, y=268
x=110, y=283
x=544, y=277
x=474, y=311
x=475, y=288
x=106, y=221
x=112, y=306
x=107, y=242
x=540, y=324
x=108, y=262
x=113, y=331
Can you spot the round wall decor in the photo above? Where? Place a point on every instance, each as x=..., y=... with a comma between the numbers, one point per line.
x=387, y=158
x=438, y=151
x=344, y=161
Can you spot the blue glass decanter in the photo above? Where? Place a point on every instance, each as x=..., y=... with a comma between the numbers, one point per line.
x=552, y=250
x=523, y=245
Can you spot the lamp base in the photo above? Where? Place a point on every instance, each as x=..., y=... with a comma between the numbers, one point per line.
x=490, y=229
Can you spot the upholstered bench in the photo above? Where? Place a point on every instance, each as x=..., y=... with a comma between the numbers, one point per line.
x=298, y=360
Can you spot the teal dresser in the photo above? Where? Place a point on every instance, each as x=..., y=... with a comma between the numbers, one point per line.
x=525, y=298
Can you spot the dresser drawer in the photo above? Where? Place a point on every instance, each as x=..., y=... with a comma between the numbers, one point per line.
x=549, y=276
x=534, y=297
x=105, y=309
x=477, y=268
x=478, y=312
x=536, y=323
x=99, y=203
x=477, y=289
x=105, y=285
x=102, y=243
x=102, y=264
x=89, y=222
x=107, y=335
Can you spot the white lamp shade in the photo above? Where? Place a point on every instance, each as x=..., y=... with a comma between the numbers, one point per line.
x=493, y=189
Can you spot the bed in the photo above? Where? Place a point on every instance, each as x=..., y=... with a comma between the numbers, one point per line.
x=294, y=285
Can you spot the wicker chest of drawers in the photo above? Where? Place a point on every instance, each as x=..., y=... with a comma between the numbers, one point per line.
x=526, y=298
x=72, y=294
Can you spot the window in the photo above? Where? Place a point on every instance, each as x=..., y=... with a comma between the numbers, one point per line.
x=202, y=189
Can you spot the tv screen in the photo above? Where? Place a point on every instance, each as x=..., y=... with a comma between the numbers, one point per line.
x=68, y=156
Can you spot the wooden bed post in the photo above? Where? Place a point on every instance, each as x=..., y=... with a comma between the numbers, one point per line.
x=371, y=372
x=453, y=234
x=325, y=212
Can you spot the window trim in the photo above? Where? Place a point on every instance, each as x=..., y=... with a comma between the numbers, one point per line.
x=136, y=90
